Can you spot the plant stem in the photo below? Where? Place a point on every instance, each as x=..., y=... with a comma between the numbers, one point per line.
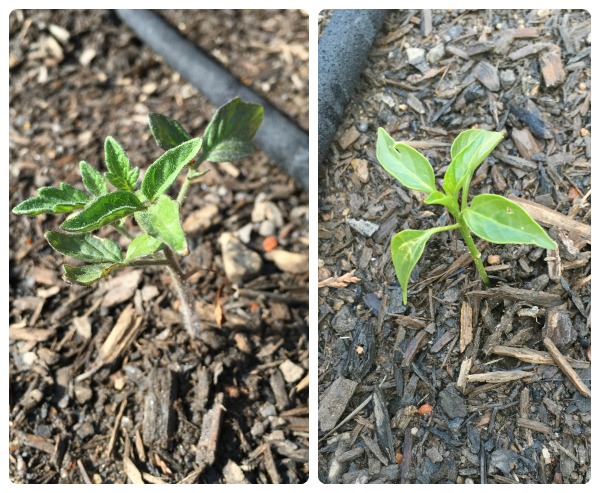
x=147, y=262
x=191, y=319
x=466, y=234
x=184, y=189
x=123, y=231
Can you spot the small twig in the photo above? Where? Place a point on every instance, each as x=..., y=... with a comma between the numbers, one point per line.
x=83, y=472
x=113, y=435
x=566, y=368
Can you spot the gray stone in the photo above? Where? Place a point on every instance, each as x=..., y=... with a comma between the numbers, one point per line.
x=452, y=403
x=436, y=54
x=240, y=263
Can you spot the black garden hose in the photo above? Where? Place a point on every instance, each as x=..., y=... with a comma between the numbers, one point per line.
x=343, y=50
x=281, y=139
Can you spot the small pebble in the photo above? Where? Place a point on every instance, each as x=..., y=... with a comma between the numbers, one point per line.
x=291, y=371
x=240, y=263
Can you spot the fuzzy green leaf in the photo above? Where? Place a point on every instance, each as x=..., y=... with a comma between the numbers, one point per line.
x=161, y=220
x=120, y=173
x=468, y=151
x=84, y=246
x=92, y=179
x=404, y=163
x=163, y=172
x=499, y=220
x=53, y=200
x=407, y=248
x=167, y=132
x=89, y=274
x=141, y=246
x=230, y=132
x=103, y=210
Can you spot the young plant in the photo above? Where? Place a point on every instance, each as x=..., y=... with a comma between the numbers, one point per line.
x=228, y=137
x=491, y=217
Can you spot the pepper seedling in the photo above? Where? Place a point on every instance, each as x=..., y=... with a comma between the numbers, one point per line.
x=491, y=217
x=227, y=137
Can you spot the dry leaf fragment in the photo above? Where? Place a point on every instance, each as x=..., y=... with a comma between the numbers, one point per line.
x=339, y=282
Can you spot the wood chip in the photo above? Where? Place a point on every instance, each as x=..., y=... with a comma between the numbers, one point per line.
x=566, y=368
x=499, y=376
x=349, y=137
x=26, y=334
x=295, y=263
x=334, y=401
x=526, y=144
x=465, y=368
x=466, y=325
x=528, y=50
x=120, y=288
x=487, y=74
x=552, y=67
x=159, y=417
x=535, y=425
x=523, y=295
x=209, y=437
x=413, y=348
x=132, y=472
x=533, y=356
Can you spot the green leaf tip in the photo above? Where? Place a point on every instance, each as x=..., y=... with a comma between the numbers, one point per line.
x=161, y=221
x=500, y=220
x=231, y=130
x=84, y=246
x=120, y=174
x=51, y=200
x=164, y=171
x=405, y=164
x=103, y=210
x=167, y=132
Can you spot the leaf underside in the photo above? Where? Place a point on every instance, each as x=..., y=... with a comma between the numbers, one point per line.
x=499, y=220
x=90, y=273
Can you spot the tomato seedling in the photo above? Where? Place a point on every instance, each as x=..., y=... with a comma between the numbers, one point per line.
x=491, y=217
x=228, y=136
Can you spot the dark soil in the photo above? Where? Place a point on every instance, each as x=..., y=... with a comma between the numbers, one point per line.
x=380, y=361
x=167, y=409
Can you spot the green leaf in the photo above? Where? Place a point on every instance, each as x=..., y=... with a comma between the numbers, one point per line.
x=404, y=163
x=407, y=248
x=161, y=220
x=53, y=200
x=84, y=246
x=92, y=179
x=468, y=151
x=440, y=198
x=103, y=210
x=230, y=132
x=143, y=245
x=163, y=172
x=166, y=131
x=88, y=274
x=499, y=220
x=119, y=172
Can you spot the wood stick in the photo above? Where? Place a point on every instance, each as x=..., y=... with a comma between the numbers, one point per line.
x=533, y=356
x=566, y=368
x=499, y=376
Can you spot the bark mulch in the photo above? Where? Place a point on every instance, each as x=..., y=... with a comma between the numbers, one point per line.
x=463, y=384
x=156, y=407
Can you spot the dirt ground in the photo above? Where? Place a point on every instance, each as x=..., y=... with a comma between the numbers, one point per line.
x=152, y=415
x=497, y=408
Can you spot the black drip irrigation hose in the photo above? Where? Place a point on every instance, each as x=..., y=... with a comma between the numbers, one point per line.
x=281, y=139
x=343, y=50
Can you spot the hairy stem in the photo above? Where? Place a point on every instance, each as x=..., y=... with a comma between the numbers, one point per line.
x=121, y=229
x=191, y=319
x=147, y=262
